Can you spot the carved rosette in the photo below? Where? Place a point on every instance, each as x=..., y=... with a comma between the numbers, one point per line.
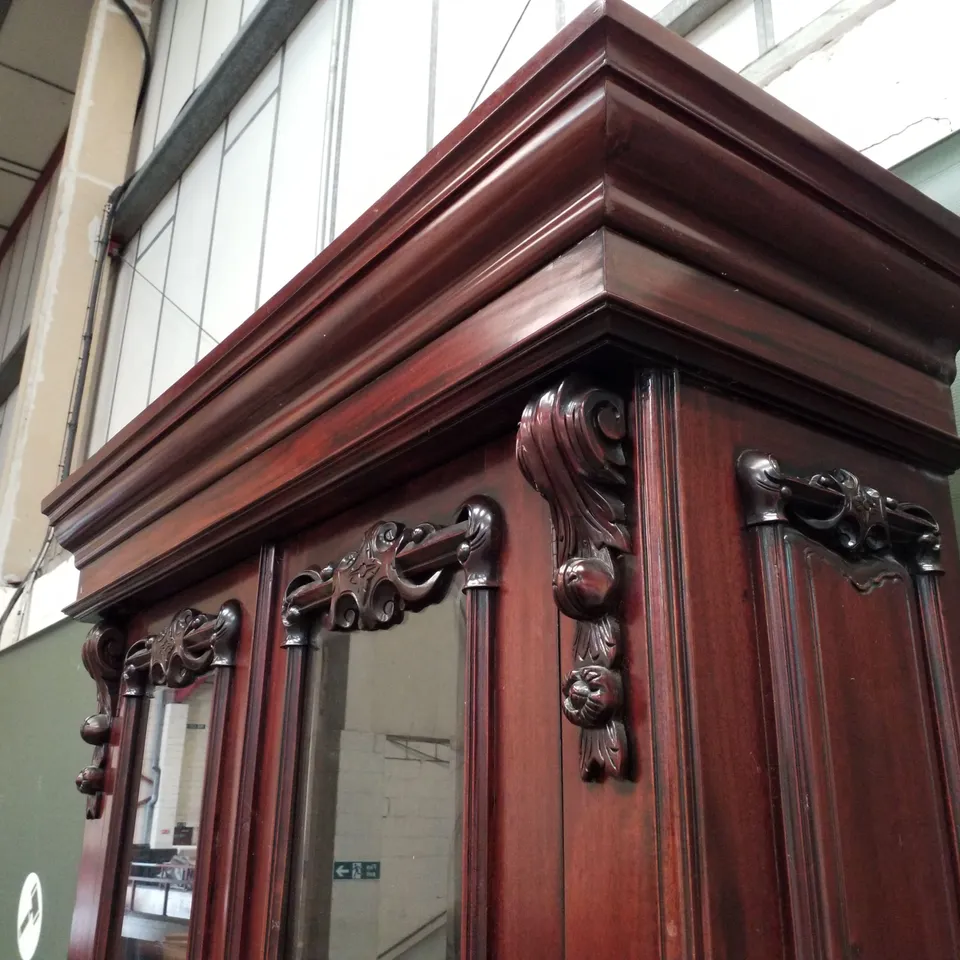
x=570, y=449
x=395, y=569
x=102, y=655
x=194, y=643
x=835, y=508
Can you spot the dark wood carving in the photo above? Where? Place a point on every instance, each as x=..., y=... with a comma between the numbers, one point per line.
x=838, y=510
x=830, y=650
x=395, y=569
x=102, y=655
x=192, y=644
x=570, y=450
x=398, y=569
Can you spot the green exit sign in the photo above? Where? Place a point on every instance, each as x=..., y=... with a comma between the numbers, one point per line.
x=356, y=870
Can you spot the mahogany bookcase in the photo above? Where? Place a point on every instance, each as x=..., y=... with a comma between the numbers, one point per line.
x=651, y=377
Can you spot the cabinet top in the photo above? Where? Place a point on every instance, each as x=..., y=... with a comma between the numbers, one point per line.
x=621, y=170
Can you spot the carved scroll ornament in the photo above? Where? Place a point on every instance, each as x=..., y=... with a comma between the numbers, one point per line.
x=102, y=655
x=835, y=508
x=570, y=449
x=194, y=643
x=395, y=569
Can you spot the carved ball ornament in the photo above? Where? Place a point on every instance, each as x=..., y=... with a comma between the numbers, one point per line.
x=102, y=655
x=570, y=449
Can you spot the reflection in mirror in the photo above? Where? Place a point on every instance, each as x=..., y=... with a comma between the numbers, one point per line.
x=377, y=858
x=159, y=892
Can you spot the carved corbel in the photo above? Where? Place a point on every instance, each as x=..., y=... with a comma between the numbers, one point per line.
x=570, y=449
x=194, y=643
x=102, y=655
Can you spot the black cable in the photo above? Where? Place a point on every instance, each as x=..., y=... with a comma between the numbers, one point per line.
x=496, y=62
x=147, y=59
x=106, y=224
x=79, y=383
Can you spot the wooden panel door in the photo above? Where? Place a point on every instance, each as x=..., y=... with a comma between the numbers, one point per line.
x=814, y=614
x=516, y=907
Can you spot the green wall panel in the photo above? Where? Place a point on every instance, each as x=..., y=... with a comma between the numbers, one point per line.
x=44, y=695
x=936, y=172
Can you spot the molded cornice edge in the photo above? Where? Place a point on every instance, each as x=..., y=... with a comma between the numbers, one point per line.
x=618, y=124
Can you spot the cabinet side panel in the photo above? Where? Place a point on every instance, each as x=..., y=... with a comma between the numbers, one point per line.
x=857, y=767
x=739, y=902
x=609, y=828
x=856, y=812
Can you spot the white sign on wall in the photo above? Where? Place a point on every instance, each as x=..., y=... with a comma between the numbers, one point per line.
x=29, y=917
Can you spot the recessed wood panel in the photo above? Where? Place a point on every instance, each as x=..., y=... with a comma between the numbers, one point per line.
x=866, y=853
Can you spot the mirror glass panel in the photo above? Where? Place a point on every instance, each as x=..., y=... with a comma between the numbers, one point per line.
x=377, y=865
x=159, y=894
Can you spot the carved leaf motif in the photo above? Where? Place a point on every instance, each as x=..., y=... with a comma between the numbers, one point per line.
x=861, y=519
x=603, y=752
x=838, y=510
x=569, y=449
x=369, y=591
x=193, y=643
x=373, y=586
x=598, y=641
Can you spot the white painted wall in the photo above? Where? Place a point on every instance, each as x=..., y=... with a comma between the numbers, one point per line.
x=193, y=764
x=172, y=741
x=41, y=606
x=7, y=416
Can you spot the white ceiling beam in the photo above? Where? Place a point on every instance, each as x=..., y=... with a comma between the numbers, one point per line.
x=841, y=18
x=683, y=16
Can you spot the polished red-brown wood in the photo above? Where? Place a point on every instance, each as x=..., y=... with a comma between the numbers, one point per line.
x=643, y=135
x=443, y=387
x=786, y=781
x=658, y=597
x=254, y=739
x=96, y=914
x=489, y=471
x=814, y=713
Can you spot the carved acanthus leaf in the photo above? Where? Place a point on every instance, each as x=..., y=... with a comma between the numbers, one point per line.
x=570, y=449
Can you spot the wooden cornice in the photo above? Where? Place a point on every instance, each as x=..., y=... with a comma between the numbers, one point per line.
x=660, y=180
